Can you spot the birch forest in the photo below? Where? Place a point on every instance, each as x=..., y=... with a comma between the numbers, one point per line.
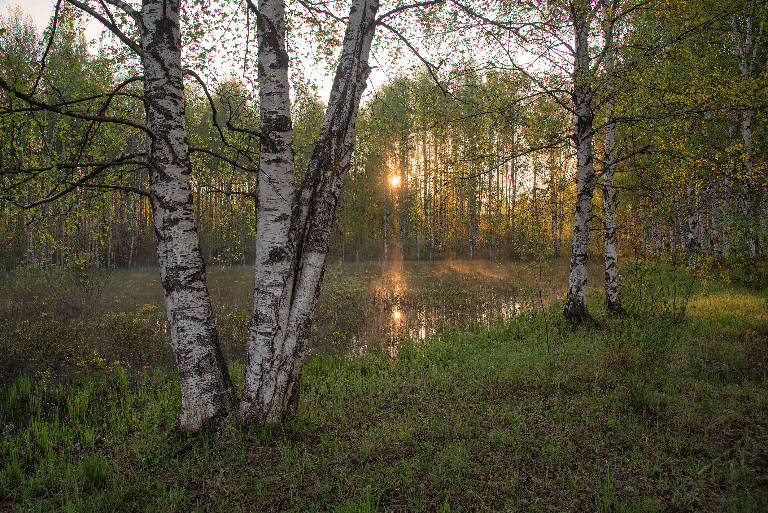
x=384, y=255
x=470, y=159
x=632, y=130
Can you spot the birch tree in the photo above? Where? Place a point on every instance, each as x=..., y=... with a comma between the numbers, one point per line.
x=748, y=32
x=293, y=224
x=293, y=236
x=154, y=38
x=582, y=14
x=612, y=299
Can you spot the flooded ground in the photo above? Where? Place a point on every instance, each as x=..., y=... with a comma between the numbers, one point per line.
x=363, y=305
x=67, y=322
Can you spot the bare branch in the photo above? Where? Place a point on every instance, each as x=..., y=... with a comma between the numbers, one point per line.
x=431, y=68
x=311, y=8
x=130, y=43
x=405, y=8
x=504, y=26
x=229, y=124
x=48, y=47
x=222, y=157
x=126, y=8
x=123, y=188
x=552, y=93
x=60, y=110
x=53, y=196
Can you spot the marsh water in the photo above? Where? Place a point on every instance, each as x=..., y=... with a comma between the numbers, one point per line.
x=367, y=305
x=56, y=321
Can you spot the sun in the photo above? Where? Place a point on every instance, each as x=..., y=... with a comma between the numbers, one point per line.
x=395, y=181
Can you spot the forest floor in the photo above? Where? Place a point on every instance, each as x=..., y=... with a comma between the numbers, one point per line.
x=662, y=409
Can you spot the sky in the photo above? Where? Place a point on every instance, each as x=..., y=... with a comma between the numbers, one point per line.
x=41, y=12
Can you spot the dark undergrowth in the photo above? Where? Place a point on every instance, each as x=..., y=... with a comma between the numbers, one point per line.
x=658, y=410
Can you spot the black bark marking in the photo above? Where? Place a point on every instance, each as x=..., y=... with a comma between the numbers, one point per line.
x=277, y=255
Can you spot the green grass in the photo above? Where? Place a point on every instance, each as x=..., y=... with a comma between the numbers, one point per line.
x=659, y=410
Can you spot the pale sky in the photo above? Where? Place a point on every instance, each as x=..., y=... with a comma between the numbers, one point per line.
x=41, y=12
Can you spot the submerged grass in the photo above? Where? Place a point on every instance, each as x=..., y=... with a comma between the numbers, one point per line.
x=652, y=411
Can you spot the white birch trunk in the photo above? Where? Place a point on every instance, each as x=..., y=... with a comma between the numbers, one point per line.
x=612, y=299
x=691, y=235
x=206, y=390
x=472, y=217
x=747, y=46
x=689, y=238
x=297, y=255
x=715, y=219
x=514, y=198
x=748, y=195
x=385, y=227
x=575, y=301
x=555, y=217
x=402, y=196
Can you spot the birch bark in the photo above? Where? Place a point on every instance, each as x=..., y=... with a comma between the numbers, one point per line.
x=690, y=240
x=403, y=193
x=206, y=390
x=298, y=248
x=714, y=219
x=575, y=302
x=612, y=299
x=747, y=46
x=691, y=236
x=729, y=201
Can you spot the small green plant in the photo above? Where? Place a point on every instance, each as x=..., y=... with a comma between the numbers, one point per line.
x=94, y=472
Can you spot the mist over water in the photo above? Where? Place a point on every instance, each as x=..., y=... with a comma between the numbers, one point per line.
x=364, y=306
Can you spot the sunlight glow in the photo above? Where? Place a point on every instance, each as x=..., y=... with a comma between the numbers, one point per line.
x=396, y=315
x=395, y=181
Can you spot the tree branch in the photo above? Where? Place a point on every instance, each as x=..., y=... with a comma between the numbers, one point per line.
x=126, y=8
x=229, y=124
x=430, y=67
x=130, y=43
x=252, y=7
x=98, y=169
x=228, y=160
x=405, y=8
x=48, y=47
x=311, y=8
x=510, y=28
x=59, y=110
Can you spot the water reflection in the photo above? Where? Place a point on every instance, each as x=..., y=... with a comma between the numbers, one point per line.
x=384, y=305
x=422, y=322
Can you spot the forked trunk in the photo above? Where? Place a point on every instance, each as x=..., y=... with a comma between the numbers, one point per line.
x=296, y=256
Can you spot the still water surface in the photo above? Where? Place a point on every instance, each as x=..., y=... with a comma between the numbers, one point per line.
x=367, y=305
